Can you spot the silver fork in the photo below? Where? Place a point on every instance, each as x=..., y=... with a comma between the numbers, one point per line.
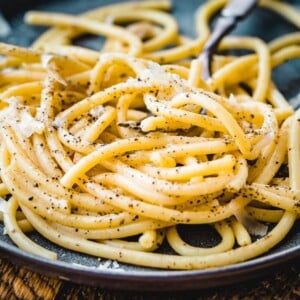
x=231, y=14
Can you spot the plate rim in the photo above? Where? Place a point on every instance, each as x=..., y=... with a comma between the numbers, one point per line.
x=154, y=280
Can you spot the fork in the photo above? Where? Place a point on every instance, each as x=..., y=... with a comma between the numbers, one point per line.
x=231, y=14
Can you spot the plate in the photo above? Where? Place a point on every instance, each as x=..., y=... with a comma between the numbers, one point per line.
x=86, y=269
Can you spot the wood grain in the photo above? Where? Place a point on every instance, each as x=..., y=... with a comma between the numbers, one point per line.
x=20, y=283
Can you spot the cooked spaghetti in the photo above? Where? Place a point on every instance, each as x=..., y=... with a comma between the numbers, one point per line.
x=129, y=141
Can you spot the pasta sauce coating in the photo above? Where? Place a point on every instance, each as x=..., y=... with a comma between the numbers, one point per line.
x=129, y=141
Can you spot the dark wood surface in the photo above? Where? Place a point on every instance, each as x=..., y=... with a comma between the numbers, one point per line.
x=20, y=283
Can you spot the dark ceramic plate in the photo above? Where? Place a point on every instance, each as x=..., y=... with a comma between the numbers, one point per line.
x=85, y=269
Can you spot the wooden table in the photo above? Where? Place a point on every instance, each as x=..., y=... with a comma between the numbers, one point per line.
x=20, y=283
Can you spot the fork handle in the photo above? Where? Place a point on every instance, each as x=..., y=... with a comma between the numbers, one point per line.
x=233, y=12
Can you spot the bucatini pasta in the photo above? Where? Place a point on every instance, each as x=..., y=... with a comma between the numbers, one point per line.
x=129, y=141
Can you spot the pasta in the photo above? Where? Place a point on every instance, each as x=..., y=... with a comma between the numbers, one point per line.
x=110, y=152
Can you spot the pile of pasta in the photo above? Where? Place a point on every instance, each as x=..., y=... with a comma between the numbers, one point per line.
x=109, y=152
